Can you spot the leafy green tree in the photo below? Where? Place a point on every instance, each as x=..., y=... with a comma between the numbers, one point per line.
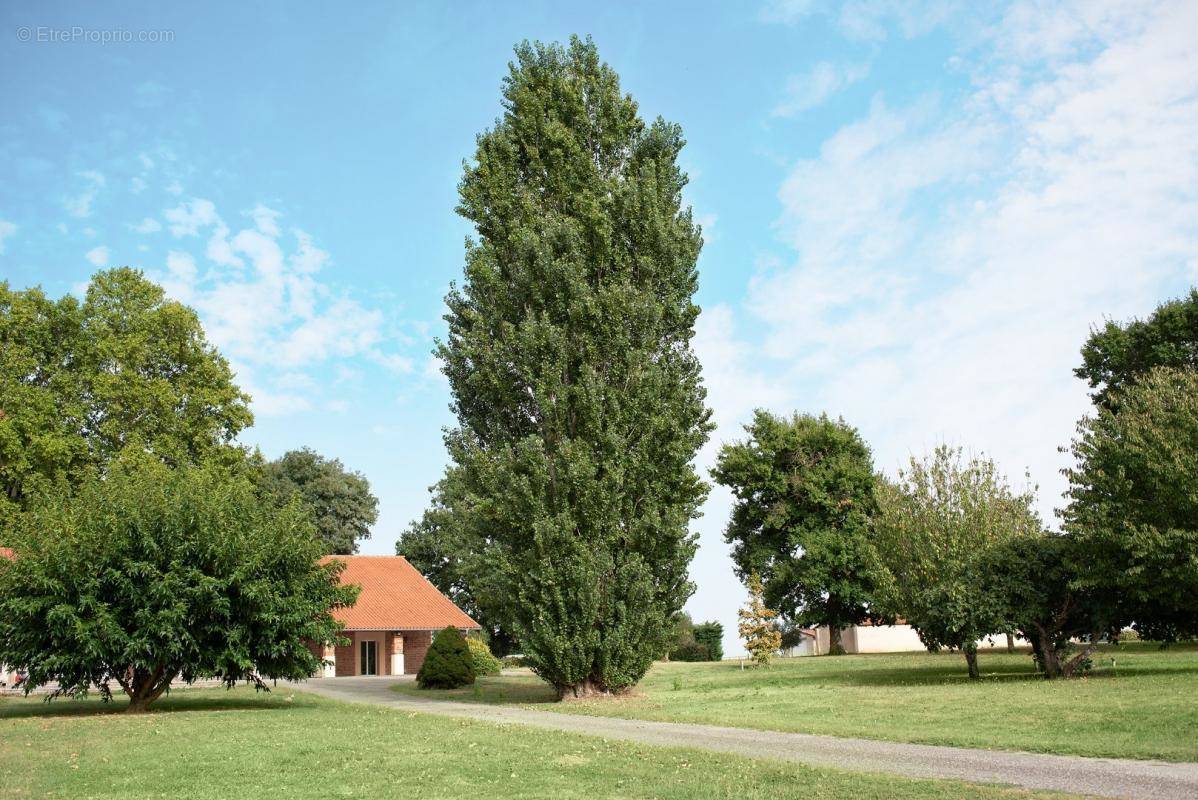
x=804, y=497
x=579, y=400
x=151, y=575
x=933, y=529
x=711, y=636
x=1036, y=578
x=1115, y=355
x=1133, y=504
x=126, y=368
x=448, y=664
x=757, y=625
x=341, y=501
x=452, y=551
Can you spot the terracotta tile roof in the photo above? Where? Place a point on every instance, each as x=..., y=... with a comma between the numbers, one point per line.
x=395, y=597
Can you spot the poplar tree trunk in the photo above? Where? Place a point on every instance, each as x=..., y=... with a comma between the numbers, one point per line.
x=1010, y=643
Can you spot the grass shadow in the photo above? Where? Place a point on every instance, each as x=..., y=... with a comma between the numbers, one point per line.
x=183, y=700
x=519, y=689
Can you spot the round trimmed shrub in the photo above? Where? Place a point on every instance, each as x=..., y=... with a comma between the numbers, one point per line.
x=484, y=662
x=448, y=663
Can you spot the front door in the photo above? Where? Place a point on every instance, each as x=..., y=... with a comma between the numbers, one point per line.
x=369, y=657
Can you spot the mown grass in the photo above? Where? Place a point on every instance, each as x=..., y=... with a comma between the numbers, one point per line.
x=205, y=744
x=1139, y=702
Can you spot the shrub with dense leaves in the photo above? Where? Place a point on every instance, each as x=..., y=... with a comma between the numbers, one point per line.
x=690, y=651
x=485, y=663
x=448, y=663
x=151, y=574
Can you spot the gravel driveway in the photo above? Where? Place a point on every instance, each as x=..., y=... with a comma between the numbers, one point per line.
x=1103, y=777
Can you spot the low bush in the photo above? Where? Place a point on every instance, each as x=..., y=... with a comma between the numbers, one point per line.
x=448, y=663
x=514, y=661
x=690, y=651
x=484, y=662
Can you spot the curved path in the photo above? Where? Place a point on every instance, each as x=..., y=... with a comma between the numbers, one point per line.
x=1102, y=777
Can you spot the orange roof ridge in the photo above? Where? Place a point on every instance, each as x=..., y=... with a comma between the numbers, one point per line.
x=395, y=596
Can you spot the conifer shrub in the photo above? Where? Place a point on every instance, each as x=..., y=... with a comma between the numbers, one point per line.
x=448, y=663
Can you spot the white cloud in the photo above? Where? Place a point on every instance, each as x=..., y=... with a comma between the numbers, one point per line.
x=147, y=225
x=265, y=219
x=950, y=260
x=7, y=229
x=81, y=204
x=137, y=185
x=98, y=256
x=817, y=85
x=263, y=307
x=190, y=217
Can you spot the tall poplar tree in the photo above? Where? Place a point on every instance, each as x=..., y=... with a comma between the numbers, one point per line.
x=580, y=403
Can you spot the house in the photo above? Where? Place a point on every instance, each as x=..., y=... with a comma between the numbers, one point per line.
x=391, y=626
x=899, y=638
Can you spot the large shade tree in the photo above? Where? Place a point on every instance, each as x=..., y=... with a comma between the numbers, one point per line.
x=1117, y=353
x=1132, y=502
x=341, y=502
x=578, y=397
x=152, y=575
x=124, y=368
x=804, y=489
x=934, y=528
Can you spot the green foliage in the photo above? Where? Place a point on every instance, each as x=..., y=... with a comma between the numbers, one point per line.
x=484, y=662
x=1133, y=505
x=152, y=574
x=126, y=368
x=804, y=497
x=932, y=531
x=757, y=627
x=449, y=662
x=711, y=636
x=1117, y=355
x=341, y=502
x=579, y=400
x=1036, y=578
x=449, y=550
x=690, y=651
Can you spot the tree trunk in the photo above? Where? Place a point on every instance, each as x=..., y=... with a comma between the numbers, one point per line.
x=1010, y=643
x=582, y=690
x=1050, y=657
x=971, y=658
x=835, y=648
x=144, y=687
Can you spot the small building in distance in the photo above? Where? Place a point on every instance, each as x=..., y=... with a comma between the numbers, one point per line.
x=391, y=626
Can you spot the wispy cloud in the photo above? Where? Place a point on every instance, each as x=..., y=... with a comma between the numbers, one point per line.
x=80, y=205
x=950, y=258
x=97, y=256
x=259, y=293
x=814, y=87
x=7, y=229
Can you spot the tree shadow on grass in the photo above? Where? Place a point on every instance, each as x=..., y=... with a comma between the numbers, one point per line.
x=520, y=689
x=179, y=701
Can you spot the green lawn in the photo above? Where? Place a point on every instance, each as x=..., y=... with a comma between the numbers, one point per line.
x=205, y=743
x=1145, y=705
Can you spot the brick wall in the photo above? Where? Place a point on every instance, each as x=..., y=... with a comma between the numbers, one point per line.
x=415, y=645
x=345, y=656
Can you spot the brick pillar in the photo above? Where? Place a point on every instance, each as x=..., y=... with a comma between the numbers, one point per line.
x=330, y=661
x=397, y=653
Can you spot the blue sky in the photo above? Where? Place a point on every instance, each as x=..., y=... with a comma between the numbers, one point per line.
x=913, y=213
